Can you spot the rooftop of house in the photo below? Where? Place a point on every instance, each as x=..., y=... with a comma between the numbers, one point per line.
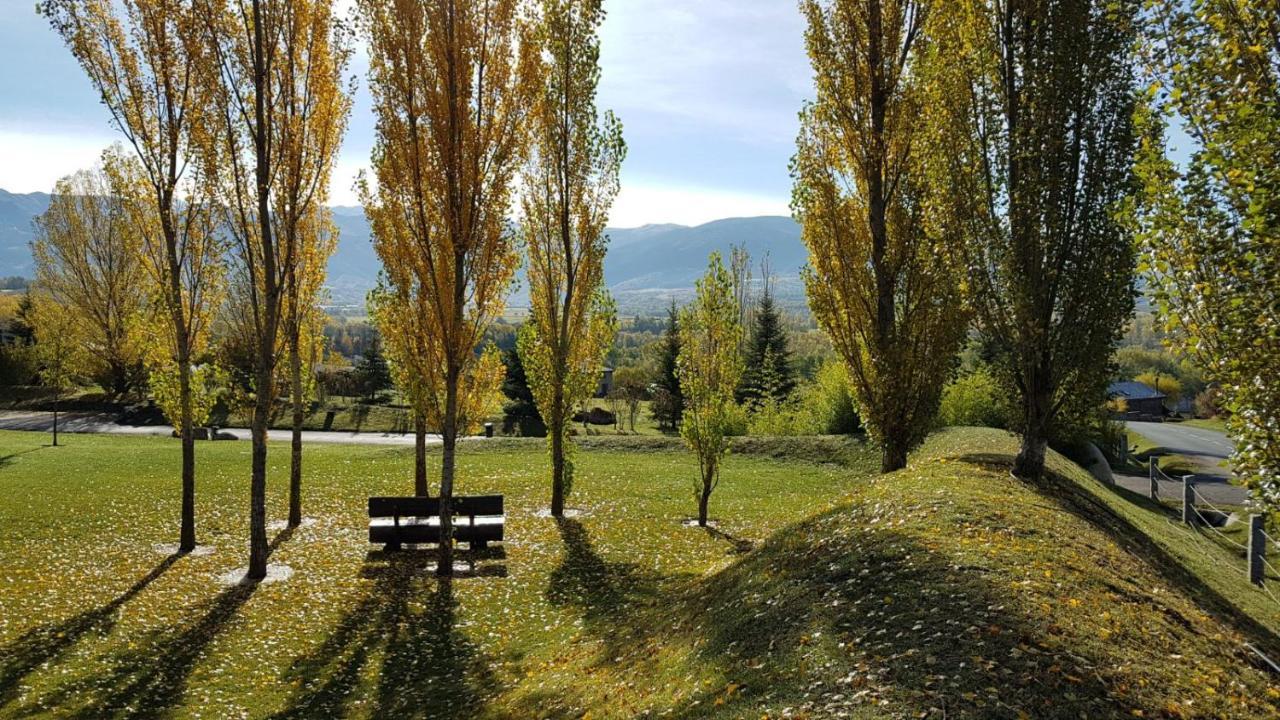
x=1130, y=390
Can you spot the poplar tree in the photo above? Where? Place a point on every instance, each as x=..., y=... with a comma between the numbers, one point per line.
x=451, y=92
x=883, y=283
x=87, y=259
x=1209, y=226
x=281, y=114
x=304, y=333
x=1039, y=144
x=147, y=59
x=569, y=185
x=709, y=368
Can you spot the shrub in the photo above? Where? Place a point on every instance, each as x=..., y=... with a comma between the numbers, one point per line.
x=975, y=400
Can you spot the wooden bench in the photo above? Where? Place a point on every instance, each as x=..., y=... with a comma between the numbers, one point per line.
x=397, y=520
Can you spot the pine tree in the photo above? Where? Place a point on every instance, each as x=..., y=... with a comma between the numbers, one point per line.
x=520, y=412
x=372, y=370
x=769, y=375
x=668, y=407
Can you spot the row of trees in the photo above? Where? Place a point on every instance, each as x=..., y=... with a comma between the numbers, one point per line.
x=469, y=98
x=232, y=112
x=962, y=161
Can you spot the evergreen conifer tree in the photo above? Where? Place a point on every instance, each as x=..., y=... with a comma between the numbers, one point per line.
x=372, y=370
x=769, y=375
x=668, y=406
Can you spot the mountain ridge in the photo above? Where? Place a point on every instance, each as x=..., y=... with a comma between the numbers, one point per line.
x=647, y=266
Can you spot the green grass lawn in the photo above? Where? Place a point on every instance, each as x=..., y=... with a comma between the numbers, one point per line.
x=94, y=616
x=1217, y=424
x=945, y=590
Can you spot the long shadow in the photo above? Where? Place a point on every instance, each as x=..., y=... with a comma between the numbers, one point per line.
x=8, y=459
x=46, y=643
x=917, y=630
x=585, y=580
x=149, y=678
x=404, y=631
x=1065, y=494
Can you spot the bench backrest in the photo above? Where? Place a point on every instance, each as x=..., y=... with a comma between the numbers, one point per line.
x=430, y=507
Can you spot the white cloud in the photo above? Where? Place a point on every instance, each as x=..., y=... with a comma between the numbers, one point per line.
x=35, y=161
x=645, y=202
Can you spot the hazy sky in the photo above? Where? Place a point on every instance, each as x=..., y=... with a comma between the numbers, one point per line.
x=707, y=91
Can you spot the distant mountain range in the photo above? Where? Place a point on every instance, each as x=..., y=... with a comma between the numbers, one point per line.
x=646, y=267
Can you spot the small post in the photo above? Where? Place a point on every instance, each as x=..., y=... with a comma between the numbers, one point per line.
x=1151, y=475
x=1188, y=500
x=1257, y=549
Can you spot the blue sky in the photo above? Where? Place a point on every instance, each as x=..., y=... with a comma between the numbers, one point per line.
x=708, y=92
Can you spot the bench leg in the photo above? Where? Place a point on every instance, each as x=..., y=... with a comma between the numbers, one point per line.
x=479, y=544
x=392, y=547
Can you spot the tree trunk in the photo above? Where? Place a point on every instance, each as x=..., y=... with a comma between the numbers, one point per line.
x=704, y=500
x=449, y=441
x=269, y=310
x=258, y=549
x=187, y=539
x=420, y=456
x=55, y=421
x=557, y=429
x=295, y=458
x=1029, y=464
x=893, y=454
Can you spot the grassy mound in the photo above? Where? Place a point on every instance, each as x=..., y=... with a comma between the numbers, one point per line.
x=949, y=589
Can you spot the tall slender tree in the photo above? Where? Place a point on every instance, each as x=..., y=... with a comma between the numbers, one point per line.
x=710, y=368
x=304, y=327
x=1039, y=157
x=451, y=90
x=882, y=283
x=281, y=116
x=405, y=339
x=1210, y=225
x=146, y=60
x=87, y=259
x=569, y=185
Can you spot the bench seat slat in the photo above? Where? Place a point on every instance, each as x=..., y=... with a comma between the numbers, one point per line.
x=395, y=520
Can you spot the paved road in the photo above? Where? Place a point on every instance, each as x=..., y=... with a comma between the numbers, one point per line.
x=1207, y=449
x=1210, y=450
x=100, y=423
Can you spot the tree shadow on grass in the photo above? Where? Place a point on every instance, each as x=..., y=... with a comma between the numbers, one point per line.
x=149, y=679
x=6, y=460
x=1067, y=495
x=46, y=643
x=835, y=622
x=600, y=589
x=397, y=653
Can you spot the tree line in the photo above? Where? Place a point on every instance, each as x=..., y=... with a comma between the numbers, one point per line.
x=965, y=169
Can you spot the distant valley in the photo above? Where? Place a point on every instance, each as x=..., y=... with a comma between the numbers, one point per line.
x=646, y=266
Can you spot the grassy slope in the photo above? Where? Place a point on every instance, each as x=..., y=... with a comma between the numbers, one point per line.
x=948, y=589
